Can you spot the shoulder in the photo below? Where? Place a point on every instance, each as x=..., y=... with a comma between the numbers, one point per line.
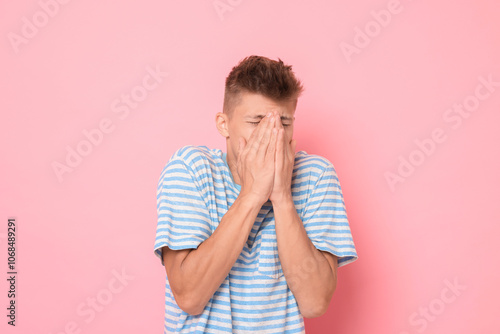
x=197, y=160
x=194, y=155
x=313, y=164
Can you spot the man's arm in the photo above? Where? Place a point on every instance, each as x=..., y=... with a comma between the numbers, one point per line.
x=195, y=274
x=311, y=274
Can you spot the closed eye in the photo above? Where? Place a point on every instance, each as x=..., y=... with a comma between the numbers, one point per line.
x=259, y=122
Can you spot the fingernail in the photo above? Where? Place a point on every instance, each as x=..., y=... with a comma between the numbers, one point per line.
x=269, y=114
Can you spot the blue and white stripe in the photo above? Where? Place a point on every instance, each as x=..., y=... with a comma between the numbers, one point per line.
x=194, y=192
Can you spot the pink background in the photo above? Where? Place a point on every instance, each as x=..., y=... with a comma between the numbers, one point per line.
x=362, y=112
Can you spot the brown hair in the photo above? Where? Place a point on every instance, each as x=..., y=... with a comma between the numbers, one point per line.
x=261, y=75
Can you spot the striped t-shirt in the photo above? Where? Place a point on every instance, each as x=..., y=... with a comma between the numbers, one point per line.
x=194, y=192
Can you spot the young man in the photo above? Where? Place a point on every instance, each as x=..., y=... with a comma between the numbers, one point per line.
x=251, y=239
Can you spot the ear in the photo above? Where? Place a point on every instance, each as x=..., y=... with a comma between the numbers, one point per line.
x=221, y=122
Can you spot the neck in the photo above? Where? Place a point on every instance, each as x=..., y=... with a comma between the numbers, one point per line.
x=231, y=162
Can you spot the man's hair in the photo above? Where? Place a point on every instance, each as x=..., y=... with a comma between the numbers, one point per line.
x=255, y=74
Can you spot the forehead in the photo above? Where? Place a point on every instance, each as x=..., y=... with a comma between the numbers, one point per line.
x=255, y=106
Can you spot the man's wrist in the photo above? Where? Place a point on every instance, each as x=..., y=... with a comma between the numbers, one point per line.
x=283, y=201
x=251, y=199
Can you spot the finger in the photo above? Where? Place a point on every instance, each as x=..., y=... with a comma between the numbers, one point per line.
x=291, y=156
x=241, y=146
x=271, y=150
x=241, y=142
x=280, y=123
x=294, y=146
x=284, y=143
x=258, y=134
x=266, y=137
x=279, y=149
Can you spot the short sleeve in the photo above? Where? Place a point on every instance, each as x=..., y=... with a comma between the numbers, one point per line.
x=183, y=216
x=325, y=218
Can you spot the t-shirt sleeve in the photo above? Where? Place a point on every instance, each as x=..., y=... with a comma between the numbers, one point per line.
x=183, y=216
x=325, y=218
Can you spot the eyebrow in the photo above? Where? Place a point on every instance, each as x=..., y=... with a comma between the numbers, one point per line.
x=286, y=118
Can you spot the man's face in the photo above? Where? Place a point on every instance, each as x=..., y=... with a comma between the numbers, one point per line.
x=250, y=111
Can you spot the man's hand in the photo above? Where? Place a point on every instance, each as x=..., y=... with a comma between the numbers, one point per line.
x=284, y=162
x=255, y=163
